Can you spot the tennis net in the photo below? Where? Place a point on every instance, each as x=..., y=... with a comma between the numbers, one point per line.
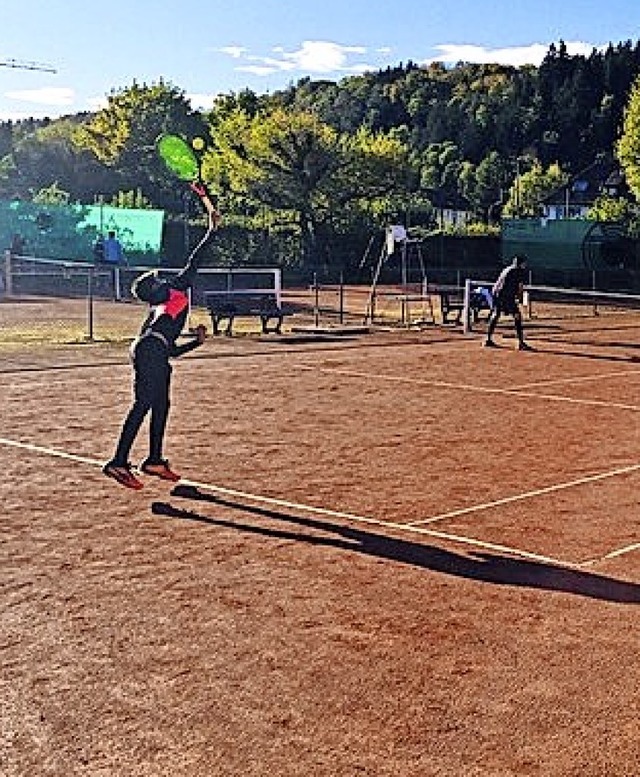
x=557, y=308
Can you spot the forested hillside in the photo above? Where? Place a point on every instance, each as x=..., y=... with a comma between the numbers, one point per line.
x=322, y=162
x=568, y=110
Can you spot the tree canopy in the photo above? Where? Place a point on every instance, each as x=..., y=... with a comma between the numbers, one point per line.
x=323, y=159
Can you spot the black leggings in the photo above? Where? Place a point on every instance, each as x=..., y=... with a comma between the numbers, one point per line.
x=510, y=308
x=152, y=380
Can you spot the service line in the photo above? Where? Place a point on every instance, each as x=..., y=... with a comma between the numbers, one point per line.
x=513, y=392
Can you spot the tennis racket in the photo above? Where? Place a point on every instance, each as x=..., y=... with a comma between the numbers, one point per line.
x=180, y=159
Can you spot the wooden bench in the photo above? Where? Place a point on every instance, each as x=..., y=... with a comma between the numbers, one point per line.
x=451, y=302
x=233, y=304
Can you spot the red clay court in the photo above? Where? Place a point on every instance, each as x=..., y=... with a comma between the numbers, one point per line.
x=394, y=554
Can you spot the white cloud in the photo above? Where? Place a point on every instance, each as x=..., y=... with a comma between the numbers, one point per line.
x=321, y=57
x=313, y=56
x=233, y=51
x=533, y=54
x=97, y=103
x=55, y=96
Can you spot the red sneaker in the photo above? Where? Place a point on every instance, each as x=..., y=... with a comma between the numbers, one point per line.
x=122, y=475
x=159, y=469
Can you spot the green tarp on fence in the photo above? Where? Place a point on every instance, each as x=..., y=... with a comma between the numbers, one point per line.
x=569, y=244
x=69, y=231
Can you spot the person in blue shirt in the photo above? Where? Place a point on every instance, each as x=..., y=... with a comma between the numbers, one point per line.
x=112, y=250
x=108, y=251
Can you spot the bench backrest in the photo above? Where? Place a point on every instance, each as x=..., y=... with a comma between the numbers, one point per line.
x=242, y=300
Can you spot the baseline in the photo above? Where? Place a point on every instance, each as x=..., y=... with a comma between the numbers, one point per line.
x=346, y=516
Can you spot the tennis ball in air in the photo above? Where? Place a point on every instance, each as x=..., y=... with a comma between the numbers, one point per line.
x=198, y=144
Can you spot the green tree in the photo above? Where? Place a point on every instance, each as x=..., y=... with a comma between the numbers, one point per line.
x=51, y=195
x=122, y=136
x=612, y=209
x=482, y=185
x=628, y=146
x=134, y=198
x=50, y=156
x=441, y=171
x=293, y=163
x=531, y=187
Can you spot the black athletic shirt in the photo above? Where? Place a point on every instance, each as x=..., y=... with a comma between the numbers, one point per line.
x=168, y=318
x=507, y=287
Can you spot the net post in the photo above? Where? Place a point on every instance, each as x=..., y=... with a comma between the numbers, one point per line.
x=466, y=308
x=277, y=285
x=117, y=291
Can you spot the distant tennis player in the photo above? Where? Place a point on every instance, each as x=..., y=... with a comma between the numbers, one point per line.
x=150, y=354
x=507, y=295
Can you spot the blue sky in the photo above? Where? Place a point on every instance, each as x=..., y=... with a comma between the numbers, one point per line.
x=206, y=47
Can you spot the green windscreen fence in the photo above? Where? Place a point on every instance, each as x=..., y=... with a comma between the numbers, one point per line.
x=70, y=231
x=565, y=244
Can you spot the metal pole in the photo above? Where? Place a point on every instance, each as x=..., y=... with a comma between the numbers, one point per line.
x=466, y=309
x=341, y=297
x=8, y=286
x=90, y=303
x=117, y=293
x=316, y=300
x=529, y=303
x=405, y=290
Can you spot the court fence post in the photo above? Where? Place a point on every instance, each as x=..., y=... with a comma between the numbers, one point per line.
x=8, y=286
x=316, y=300
x=90, y=304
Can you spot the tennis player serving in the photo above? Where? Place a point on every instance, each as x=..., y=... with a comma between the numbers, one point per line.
x=151, y=351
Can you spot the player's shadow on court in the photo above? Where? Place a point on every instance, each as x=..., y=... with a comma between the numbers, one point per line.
x=597, y=349
x=481, y=566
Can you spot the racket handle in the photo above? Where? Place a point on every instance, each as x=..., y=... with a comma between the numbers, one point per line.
x=200, y=189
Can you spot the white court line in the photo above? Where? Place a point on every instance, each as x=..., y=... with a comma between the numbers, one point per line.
x=577, y=379
x=352, y=517
x=27, y=446
x=402, y=527
x=468, y=387
x=613, y=554
x=529, y=494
